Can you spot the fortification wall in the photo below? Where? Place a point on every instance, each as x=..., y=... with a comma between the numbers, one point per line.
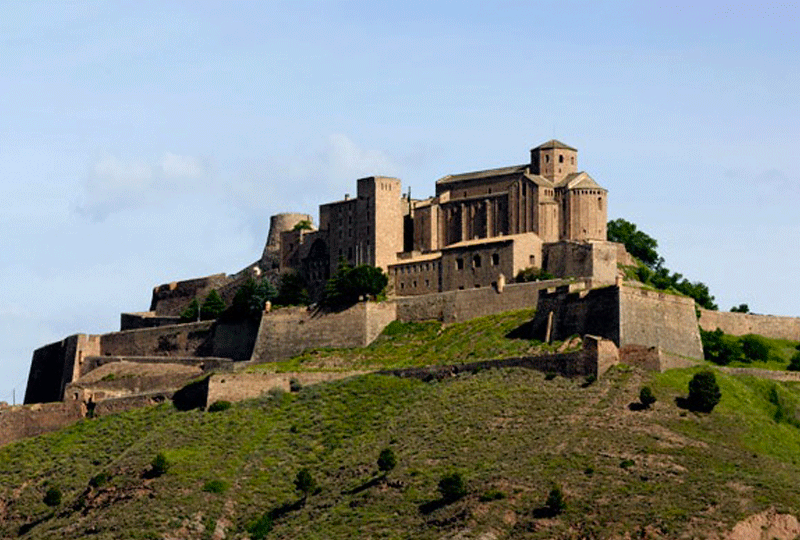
x=31, y=420
x=739, y=324
x=239, y=386
x=56, y=364
x=457, y=306
x=289, y=331
x=661, y=320
x=653, y=358
x=180, y=340
x=122, y=404
x=147, y=319
x=595, y=312
x=172, y=298
x=234, y=340
x=596, y=357
x=594, y=260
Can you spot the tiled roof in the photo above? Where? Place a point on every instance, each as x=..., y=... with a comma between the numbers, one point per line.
x=553, y=143
x=489, y=173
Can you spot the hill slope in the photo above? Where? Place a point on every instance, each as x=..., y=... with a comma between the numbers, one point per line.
x=512, y=434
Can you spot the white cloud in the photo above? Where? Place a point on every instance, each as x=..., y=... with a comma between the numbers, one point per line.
x=176, y=166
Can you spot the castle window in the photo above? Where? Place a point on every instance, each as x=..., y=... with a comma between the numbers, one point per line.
x=572, y=160
x=476, y=261
x=459, y=264
x=561, y=158
x=600, y=203
x=402, y=285
x=547, y=158
x=427, y=283
x=415, y=283
x=495, y=259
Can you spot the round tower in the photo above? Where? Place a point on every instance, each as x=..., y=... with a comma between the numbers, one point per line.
x=278, y=224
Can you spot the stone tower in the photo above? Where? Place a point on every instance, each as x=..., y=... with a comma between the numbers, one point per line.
x=278, y=224
x=554, y=160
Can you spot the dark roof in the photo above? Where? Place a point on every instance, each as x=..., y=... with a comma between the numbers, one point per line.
x=476, y=175
x=553, y=143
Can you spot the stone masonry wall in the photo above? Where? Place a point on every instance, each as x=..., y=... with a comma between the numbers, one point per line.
x=289, y=331
x=658, y=319
x=31, y=420
x=179, y=340
x=172, y=298
x=55, y=365
x=457, y=306
x=740, y=324
x=239, y=386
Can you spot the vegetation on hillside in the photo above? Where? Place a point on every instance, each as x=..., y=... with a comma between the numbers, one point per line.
x=349, y=284
x=651, y=270
x=536, y=458
x=750, y=350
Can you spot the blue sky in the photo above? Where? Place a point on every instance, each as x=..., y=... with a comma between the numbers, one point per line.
x=145, y=142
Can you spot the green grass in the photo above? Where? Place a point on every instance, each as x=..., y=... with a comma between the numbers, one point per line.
x=780, y=352
x=426, y=343
x=506, y=431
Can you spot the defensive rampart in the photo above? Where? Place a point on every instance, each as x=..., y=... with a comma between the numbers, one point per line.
x=625, y=315
x=739, y=324
x=178, y=340
x=56, y=364
x=457, y=306
x=595, y=358
x=289, y=331
x=31, y=420
x=172, y=298
x=239, y=386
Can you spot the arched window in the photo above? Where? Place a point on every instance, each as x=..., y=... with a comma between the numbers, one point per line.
x=561, y=158
x=476, y=261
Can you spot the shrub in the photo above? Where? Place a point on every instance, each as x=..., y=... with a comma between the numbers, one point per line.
x=99, y=479
x=220, y=405
x=646, y=397
x=720, y=348
x=215, y=486
x=159, y=466
x=295, y=385
x=452, y=487
x=532, y=274
x=550, y=375
x=250, y=300
x=755, y=348
x=626, y=463
x=261, y=527
x=555, y=503
x=304, y=482
x=794, y=363
x=52, y=497
x=492, y=495
x=292, y=290
x=387, y=460
x=704, y=393
x=741, y=308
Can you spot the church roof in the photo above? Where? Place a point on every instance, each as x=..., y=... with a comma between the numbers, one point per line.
x=539, y=180
x=579, y=180
x=553, y=143
x=476, y=175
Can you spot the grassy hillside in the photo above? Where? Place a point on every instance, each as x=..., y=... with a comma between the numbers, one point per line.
x=511, y=433
x=428, y=343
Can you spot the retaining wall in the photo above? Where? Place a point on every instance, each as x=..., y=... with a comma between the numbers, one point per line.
x=286, y=332
x=31, y=420
x=462, y=305
x=739, y=324
x=239, y=386
x=179, y=340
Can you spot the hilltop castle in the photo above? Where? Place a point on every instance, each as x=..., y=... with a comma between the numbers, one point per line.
x=480, y=228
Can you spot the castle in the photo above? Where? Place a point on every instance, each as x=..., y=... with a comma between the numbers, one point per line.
x=479, y=228
x=450, y=257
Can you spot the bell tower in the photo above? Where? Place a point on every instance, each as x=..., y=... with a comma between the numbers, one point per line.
x=554, y=160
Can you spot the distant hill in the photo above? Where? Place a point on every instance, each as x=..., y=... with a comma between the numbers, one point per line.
x=512, y=434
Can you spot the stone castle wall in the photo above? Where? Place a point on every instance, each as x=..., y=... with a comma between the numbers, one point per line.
x=240, y=386
x=56, y=364
x=457, y=306
x=659, y=319
x=739, y=324
x=178, y=340
x=24, y=421
x=172, y=298
x=286, y=332
x=625, y=315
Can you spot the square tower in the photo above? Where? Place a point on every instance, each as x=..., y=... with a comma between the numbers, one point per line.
x=554, y=160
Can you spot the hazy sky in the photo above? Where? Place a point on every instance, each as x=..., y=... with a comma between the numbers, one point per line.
x=146, y=142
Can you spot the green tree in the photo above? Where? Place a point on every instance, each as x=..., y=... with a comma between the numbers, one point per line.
x=755, y=348
x=637, y=243
x=250, y=299
x=304, y=482
x=386, y=460
x=349, y=284
x=292, y=290
x=720, y=348
x=159, y=466
x=555, y=503
x=302, y=225
x=646, y=397
x=741, y=308
x=704, y=392
x=53, y=497
x=794, y=363
x=452, y=487
x=532, y=274
x=212, y=306
x=192, y=312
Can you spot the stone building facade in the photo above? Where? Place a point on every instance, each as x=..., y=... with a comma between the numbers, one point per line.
x=480, y=229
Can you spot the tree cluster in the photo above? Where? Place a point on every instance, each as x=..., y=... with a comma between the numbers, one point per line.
x=350, y=284
x=652, y=270
x=722, y=349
